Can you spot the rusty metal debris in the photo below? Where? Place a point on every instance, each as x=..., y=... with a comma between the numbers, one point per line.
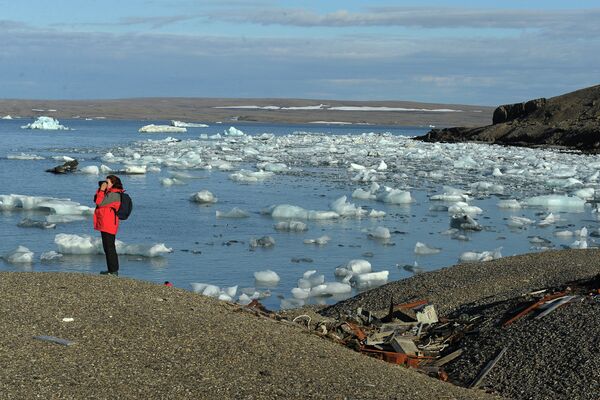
x=413, y=335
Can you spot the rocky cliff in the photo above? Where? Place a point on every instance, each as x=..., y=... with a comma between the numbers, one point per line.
x=571, y=121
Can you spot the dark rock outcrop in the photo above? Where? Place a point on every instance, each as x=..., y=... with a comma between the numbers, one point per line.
x=69, y=166
x=571, y=121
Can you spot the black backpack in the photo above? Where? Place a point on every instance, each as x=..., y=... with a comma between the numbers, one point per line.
x=125, y=208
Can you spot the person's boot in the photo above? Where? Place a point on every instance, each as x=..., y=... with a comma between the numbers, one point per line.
x=116, y=273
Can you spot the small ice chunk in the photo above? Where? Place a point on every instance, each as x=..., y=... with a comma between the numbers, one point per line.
x=464, y=222
x=585, y=193
x=548, y=220
x=291, y=226
x=300, y=293
x=371, y=279
x=422, y=249
x=509, y=204
x=265, y=241
x=287, y=304
x=203, y=197
x=30, y=223
x=519, y=222
x=380, y=232
x=161, y=129
x=21, y=255
x=555, y=201
x=90, y=169
x=395, y=196
x=323, y=240
x=135, y=169
x=330, y=289
x=266, y=276
x=232, y=131
x=565, y=233
x=579, y=244
x=235, y=212
x=346, y=209
x=460, y=207
x=50, y=256
x=471, y=256
x=376, y=214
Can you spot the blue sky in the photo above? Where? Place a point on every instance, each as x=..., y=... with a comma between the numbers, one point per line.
x=473, y=52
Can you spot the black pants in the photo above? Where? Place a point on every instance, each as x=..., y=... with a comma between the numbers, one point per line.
x=112, y=260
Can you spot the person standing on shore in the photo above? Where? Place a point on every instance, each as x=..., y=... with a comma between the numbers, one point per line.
x=108, y=201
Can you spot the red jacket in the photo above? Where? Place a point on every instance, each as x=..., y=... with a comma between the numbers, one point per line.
x=105, y=215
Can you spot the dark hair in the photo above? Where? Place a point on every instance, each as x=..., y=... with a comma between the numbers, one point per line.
x=115, y=181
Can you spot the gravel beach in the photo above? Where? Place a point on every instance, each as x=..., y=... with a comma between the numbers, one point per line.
x=134, y=339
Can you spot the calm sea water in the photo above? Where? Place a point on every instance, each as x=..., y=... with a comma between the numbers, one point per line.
x=216, y=251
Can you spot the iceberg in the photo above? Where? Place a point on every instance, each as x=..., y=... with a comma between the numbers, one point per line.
x=45, y=123
x=161, y=129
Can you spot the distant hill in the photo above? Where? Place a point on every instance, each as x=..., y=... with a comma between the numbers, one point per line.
x=570, y=121
x=255, y=110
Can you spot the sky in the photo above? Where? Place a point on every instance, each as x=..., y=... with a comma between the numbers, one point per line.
x=461, y=52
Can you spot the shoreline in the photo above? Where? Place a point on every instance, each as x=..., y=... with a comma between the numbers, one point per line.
x=207, y=110
x=138, y=339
